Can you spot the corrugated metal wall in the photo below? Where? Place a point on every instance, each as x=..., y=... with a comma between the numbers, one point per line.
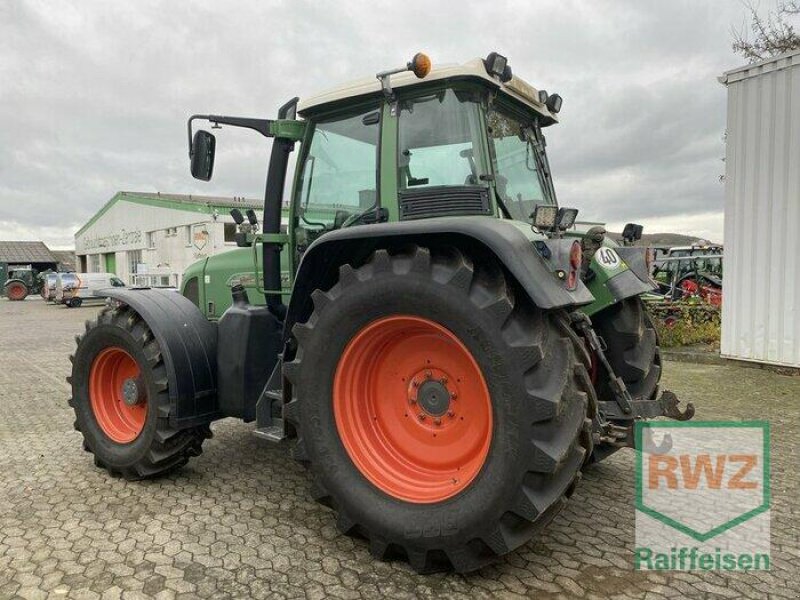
x=762, y=213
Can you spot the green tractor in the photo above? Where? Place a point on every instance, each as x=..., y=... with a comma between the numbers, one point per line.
x=442, y=347
x=22, y=282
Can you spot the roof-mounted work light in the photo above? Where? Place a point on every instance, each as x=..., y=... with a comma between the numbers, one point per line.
x=251, y=217
x=554, y=103
x=497, y=66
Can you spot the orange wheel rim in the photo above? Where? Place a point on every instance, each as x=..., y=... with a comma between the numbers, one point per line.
x=412, y=409
x=117, y=395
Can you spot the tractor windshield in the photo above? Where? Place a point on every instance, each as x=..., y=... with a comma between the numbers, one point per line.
x=522, y=175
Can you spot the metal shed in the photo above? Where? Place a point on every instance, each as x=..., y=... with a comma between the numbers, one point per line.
x=762, y=213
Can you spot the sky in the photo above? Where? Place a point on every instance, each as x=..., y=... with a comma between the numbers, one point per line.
x=94, y=94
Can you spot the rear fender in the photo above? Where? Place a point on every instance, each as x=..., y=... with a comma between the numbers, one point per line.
x=535, y=273
x=188, y=344
x=16, y=280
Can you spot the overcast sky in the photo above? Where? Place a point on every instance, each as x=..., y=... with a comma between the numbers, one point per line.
x=94, y=95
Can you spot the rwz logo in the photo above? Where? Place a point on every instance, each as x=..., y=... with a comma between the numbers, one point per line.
x=702, y=495
x=722, y=470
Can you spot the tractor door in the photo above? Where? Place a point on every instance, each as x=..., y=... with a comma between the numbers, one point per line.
x=337, y=179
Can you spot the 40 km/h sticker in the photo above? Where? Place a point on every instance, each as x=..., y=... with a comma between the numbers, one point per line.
x=607, y=258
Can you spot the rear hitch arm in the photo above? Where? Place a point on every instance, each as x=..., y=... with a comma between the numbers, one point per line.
x=616, y=418
x=583, y=325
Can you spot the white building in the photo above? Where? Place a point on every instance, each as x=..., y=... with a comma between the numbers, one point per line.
x=149, y=239
x=760, y=320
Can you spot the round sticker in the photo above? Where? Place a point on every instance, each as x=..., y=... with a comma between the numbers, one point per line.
x=607, y=258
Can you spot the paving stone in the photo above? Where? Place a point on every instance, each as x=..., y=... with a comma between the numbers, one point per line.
x=239, y=520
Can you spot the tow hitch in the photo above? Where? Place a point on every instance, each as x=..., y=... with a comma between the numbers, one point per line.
x=615, y=420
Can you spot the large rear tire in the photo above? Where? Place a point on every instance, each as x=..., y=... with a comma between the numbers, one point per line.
x=121, y=399
x=442, y=419
x=16, y=291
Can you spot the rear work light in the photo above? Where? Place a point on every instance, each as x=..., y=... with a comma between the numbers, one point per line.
x=544, y=217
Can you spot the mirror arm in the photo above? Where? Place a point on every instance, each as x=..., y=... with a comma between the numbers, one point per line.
x=263, y=126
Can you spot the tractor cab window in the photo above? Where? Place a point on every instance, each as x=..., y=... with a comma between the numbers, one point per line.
x=520, y=164
x=339, y=174
x=439, y=141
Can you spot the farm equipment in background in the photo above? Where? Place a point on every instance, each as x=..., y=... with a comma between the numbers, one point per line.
x=22, y=282
x=691, y=272
x=74, y=289
x=48, y=290
x=444, y=348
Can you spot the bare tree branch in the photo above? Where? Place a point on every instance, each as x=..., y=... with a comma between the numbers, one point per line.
x=771, y=35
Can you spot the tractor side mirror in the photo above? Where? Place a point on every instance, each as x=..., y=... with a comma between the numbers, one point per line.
x=203, y=146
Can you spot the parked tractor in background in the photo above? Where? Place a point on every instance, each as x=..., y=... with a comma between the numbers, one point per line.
x=430, y=333
x=22, y=282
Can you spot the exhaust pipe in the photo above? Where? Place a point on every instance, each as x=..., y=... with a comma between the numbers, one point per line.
x=273, y=197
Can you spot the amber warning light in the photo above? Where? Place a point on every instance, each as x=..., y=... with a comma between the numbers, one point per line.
x=420, y=65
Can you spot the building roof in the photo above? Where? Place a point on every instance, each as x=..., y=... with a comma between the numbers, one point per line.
x=189, y=202
x=25, y=253
x=474, y=69
x=65, y=258
x=775, y=63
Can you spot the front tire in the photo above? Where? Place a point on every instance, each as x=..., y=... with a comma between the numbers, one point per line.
x=632, y=351
x=444, y=485
x=632, y=347
x=121, y=400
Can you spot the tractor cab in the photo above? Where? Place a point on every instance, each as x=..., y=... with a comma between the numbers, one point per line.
x=462, y=140
x=407, y=145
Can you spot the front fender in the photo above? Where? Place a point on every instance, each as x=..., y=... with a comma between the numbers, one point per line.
x=616, y=274
x=353, y=245
x=188, y=344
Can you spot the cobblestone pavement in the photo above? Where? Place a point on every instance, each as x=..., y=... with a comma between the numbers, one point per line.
x=239, y=521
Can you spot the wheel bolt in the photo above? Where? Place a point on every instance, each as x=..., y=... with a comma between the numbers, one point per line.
x=450, y=413
x=437, y=421
x=443, y=381
x=428, y=374
x=412, y=401
x=415, y=383
x=421, y=417
x=453, y=395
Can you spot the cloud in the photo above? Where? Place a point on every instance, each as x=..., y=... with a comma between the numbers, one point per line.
x=95, y=94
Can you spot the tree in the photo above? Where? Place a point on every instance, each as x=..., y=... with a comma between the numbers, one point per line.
x=772, y=35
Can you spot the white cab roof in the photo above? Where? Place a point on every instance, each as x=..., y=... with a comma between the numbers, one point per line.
x=516, y=88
